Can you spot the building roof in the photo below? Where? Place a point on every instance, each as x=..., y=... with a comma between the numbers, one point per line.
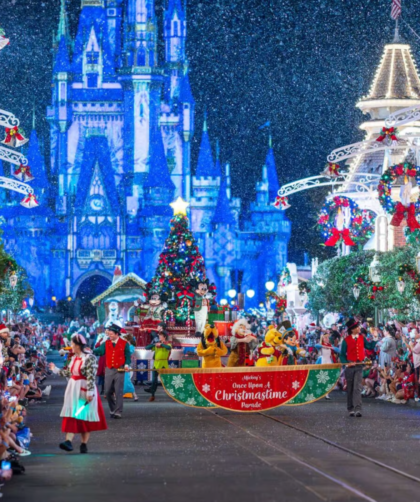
x=205, y=165
x=158, y=175
x=223, y=214
x=93, y=17
x=272, y=177
x=62, y=62
x=36, y=162
x=396, y=76
x=129, y=281
x=185, y=93
x=96, y=153
x=174, y=6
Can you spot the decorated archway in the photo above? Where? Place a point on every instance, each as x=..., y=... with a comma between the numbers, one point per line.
x=88, y=287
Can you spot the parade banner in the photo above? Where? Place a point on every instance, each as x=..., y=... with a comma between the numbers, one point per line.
x=181, y=388
x=319, y=383
x=250, y=389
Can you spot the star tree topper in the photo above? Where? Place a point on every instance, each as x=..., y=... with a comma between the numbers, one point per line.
x=179, y=206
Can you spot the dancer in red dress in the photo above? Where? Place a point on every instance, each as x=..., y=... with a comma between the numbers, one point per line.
x=82, y=411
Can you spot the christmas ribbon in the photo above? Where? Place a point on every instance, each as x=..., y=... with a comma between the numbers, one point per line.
x=402, y=212
x=340, y=234
x=13, y=133
x=388, y=132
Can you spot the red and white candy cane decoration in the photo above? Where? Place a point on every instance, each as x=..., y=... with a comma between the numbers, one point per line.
x=165, y=316
x=188, y=322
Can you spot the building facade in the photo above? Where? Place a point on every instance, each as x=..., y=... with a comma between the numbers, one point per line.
x=121, y=127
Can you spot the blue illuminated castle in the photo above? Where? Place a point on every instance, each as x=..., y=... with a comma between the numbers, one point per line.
x=121, y=128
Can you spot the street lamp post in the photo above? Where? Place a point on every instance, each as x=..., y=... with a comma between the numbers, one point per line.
x=375, y=277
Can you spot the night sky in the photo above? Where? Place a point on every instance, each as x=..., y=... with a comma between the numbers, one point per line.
x=300, y=64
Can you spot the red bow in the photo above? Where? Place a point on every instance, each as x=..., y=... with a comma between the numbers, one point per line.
x=13, y=133
x=184, y=294
x=23, y=173
x=401, y=212
x=340, y=234
x=388, y=132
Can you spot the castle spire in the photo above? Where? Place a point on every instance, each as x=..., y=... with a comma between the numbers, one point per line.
x=62, y=62
x=175, y=32
x=223, y=214
x=270, y=171
x=158, y=176
x=206, y=166
x=63, y=24
x=36, y=162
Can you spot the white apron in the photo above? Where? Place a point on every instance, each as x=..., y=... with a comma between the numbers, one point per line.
x=75, y=396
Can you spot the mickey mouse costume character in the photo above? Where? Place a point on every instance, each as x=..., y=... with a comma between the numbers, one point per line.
x=353, y=351
x=202, y=301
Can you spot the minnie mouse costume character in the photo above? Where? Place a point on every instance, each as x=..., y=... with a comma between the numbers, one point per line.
x=154, y=315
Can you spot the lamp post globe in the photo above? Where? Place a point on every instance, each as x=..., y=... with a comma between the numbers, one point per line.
x=270, y=285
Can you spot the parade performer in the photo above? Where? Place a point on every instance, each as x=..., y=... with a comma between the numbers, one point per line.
x=353, y=351
x=268, y=352
x=100, y=339
x=129, y=390
x=118, y=357
x=201, y=304
x=162, y=349
x=329, y=353
x=242, y=344
x=290, y=346
x=82, y=411
x=154, y=315
x=211, y=348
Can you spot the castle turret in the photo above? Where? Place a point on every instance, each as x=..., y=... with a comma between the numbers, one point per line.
x=141, y=80
x=36, y=162
x=272, y=176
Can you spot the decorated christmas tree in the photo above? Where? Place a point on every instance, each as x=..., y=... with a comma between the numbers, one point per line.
x=180, y=263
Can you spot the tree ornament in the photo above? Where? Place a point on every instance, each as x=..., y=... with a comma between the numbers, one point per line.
x=14, y=137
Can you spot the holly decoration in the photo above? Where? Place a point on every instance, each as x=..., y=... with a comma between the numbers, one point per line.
x=373, y=288
x=179, y=263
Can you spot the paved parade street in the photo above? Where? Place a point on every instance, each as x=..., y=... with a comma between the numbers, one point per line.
x=165, y=451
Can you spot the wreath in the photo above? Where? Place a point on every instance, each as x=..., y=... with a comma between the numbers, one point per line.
x=398, y=210
x=363, y=225
x=281, y=301
x=326, y=221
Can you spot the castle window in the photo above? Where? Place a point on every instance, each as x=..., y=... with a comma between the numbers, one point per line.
x=141, y=57
x=92, y=80
x=92, y=57
x=151, y=58
x=175, y=28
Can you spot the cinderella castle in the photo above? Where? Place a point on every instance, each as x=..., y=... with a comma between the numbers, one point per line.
x=121, y=125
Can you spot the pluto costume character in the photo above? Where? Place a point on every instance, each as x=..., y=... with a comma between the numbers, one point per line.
x=242, y=344
x=211, y=348
x=268, y=352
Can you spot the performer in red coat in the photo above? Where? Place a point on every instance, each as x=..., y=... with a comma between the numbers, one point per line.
x=117, y=357
x=353, y=351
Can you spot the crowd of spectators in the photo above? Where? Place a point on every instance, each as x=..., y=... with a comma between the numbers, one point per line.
x=393, y=350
